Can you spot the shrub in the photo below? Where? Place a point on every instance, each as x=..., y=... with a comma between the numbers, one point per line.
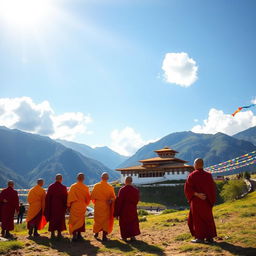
x=247, y=175
x=233, y=189
x=142, y=212
x=169, y=211
x=143, y=219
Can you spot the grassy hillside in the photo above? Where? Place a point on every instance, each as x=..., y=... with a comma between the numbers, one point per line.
x=165, y=234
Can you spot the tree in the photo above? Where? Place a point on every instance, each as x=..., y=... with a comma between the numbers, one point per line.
x=233, y=189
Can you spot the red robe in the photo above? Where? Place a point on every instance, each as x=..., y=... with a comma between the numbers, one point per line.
x=200, y=221
x=126, y=210
x=8, y=208
x=55, y=206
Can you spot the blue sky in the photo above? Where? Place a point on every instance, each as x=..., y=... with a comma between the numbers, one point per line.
x=103, y=59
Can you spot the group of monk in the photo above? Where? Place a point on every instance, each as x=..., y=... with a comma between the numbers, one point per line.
x=52, y=206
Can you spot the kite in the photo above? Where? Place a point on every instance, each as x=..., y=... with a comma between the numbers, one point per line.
x=240, y=108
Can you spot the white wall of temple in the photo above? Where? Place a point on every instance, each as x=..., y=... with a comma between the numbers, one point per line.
x=147, y=180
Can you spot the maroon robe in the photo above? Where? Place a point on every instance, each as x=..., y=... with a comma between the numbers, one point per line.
x=200, y=221
x=55, y=206
x=8, y=208
x=126, y=210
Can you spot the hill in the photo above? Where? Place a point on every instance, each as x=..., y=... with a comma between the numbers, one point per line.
x=248, y=135
x=164, y=234
x=24, y=157
x=212, y=148
x=103, y=154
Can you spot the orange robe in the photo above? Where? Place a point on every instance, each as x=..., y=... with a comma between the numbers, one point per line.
x=78, y=199
x=36, y=200
x=103, y=211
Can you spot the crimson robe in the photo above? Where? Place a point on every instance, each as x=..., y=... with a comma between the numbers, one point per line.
x=126, y=210
x=8, y=208
x=200, y=221
x=55, y=206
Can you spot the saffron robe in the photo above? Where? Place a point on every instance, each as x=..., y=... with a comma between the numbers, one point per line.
x=126, y=209
x=103, y=211
x=8, y=208
x=36, y=200
x=200, y=221
x=55, y=206
x=78, y=200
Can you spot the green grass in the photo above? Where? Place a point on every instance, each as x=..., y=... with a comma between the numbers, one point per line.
x=169, y=211
x=7, y=246
x=183, y=237
x=235, y=223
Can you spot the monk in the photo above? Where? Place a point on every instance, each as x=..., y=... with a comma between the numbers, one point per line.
x=78, y=200
x=200, y=192
x=9, y=203
x=103, y=197
x=126, y=210
x=35, y=216
x=55, y=207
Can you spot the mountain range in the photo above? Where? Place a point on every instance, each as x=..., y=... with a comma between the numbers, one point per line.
x=103, y=154
x=25, y=157
x=213, y=148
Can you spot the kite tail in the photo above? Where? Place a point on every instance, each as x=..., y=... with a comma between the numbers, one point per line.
x=238, y=110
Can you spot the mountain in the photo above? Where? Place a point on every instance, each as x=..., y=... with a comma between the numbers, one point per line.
x=212, y=148
x=103, y=154
x=248, y=135
x=25, y=157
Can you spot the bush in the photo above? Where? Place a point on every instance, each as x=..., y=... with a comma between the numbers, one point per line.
x=168, y=211
x=142, y=212
x=233, y=189
x=143, y=219
x=247, y=175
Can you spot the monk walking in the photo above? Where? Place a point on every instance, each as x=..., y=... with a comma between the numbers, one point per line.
x=55, y=206
x=126, y=210
x=35, y=216
x=103, y=197
x=200, y=192
x=78, y=199
x=9, y=203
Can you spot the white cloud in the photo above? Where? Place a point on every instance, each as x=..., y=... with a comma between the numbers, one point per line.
x=218, y=121
x=127, y=141
x=179, y=69
x=22, y=113
x=253, y=101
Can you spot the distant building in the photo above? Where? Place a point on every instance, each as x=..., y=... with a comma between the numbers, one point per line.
x=164, y=167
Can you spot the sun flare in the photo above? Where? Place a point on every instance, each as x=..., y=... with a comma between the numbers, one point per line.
x=25, y=13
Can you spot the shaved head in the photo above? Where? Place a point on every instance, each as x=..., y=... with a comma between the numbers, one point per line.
x=58, y=177
x=104, y=176
x=40, y=182
x=80, y=177
x=199, y=163
x=10, y=183
x=128, y=180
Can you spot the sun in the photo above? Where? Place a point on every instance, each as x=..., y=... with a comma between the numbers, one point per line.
x=25, y=13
